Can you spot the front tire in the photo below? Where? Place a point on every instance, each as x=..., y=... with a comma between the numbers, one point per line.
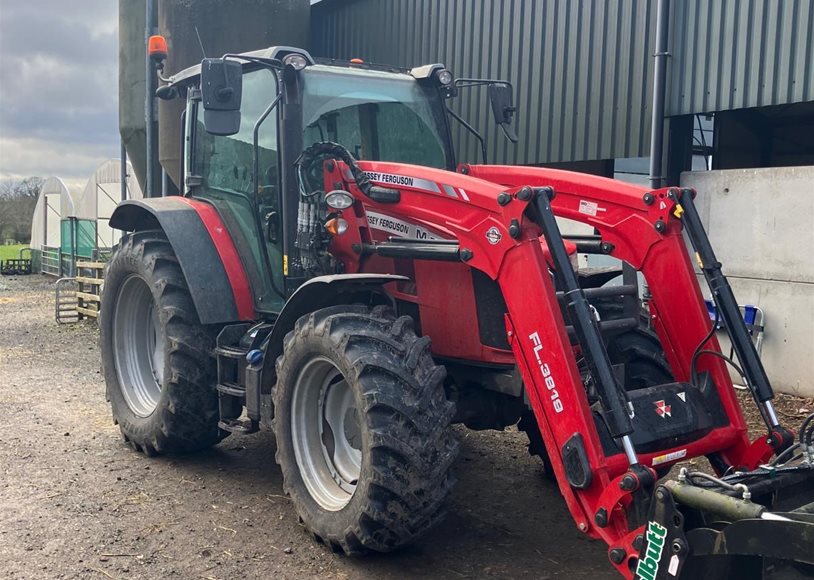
x=362, y=429
x=156, y=358
x=639, y=349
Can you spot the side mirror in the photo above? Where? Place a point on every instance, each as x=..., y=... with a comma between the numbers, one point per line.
x=221, y=92
x=500, y=95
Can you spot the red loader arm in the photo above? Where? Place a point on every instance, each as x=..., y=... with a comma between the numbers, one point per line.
x=486, y=210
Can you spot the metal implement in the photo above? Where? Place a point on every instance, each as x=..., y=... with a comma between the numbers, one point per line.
x=706, y=533
x=615, y=403
x=15, y=267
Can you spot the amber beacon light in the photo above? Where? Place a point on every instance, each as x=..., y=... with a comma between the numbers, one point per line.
x=157, y=48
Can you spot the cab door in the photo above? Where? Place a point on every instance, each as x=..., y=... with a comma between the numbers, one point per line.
x=221, y=171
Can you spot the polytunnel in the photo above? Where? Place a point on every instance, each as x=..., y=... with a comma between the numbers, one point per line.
x=100, y=197
x=56, y=202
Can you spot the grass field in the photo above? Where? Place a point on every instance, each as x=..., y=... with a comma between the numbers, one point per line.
x=11, y=252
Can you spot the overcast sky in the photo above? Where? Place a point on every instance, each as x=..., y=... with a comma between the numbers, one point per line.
x=58, y=87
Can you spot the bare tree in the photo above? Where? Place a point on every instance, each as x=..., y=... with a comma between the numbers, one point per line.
x=17, y=201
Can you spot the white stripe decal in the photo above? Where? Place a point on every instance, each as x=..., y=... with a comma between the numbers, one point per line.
x=397, y=227
x=405, y=180
x=413, y=182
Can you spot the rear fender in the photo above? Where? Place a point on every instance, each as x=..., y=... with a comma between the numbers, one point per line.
x=206, y=253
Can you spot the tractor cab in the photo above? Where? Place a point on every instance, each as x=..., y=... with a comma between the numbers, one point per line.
x=249, y=118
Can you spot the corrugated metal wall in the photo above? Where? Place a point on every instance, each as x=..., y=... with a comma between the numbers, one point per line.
x=734, y=54
x=582, y=69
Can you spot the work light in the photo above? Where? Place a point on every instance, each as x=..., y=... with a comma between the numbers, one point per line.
x=444, y=77
x=295, y=61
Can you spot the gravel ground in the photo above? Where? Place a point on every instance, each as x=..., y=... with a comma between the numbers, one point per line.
x=76, y=503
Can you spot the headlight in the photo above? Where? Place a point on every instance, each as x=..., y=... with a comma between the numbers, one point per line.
x=339, y=199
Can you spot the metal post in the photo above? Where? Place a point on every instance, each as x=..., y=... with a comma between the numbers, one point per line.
x=73, y=221
x=123, y=172
x=659, y=87
x=164, y=183
x=149, y=101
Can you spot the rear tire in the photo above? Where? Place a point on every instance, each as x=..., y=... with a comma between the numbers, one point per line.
x=156, y=359
x=362, y=428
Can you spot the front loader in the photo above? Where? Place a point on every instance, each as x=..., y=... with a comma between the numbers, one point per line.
x=331, y=272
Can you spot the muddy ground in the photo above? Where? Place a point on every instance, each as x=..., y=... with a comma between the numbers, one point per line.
x=76, y=503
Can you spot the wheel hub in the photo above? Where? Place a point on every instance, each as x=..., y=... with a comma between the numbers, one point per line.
x=326, y=433
x=138, y=346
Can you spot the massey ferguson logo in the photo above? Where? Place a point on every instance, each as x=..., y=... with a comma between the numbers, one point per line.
x=493, y=235
x=663, y=409
x=546, y=372
x=648, y=568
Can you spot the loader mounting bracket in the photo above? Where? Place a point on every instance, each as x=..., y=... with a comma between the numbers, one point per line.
x=665, y=548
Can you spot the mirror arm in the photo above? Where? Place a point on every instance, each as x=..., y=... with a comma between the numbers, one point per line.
x=159, y=71
x=465, y=83
x=472, y=130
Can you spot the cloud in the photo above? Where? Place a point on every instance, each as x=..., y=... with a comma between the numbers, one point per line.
x=26, y=156
x=59, y=79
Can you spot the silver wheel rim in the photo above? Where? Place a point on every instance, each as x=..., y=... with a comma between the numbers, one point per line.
x=138, y=346
x=326, y=433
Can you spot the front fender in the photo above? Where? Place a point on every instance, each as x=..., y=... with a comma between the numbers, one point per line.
x=317, y=293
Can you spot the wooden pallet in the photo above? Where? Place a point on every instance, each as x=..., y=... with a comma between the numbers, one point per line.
x=80, y=297
x=89, y=293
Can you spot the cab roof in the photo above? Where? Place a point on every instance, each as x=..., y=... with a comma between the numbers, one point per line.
x=279, y=52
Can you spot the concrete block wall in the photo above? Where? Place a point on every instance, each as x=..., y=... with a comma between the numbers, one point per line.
x=761, y=224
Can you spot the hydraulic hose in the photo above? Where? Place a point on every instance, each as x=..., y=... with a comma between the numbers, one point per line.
x=731, y=508
x=329, y=149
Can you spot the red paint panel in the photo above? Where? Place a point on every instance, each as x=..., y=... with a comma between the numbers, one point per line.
x=228, y=254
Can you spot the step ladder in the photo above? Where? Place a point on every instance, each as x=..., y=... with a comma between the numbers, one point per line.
x=240, y=364
x=66, y=301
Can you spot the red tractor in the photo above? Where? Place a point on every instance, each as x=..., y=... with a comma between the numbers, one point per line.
x=330, y=272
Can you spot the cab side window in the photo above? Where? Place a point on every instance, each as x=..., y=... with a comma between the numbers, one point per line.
x=225, y=163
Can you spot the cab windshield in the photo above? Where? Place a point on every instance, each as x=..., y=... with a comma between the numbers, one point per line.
x=376, y=116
